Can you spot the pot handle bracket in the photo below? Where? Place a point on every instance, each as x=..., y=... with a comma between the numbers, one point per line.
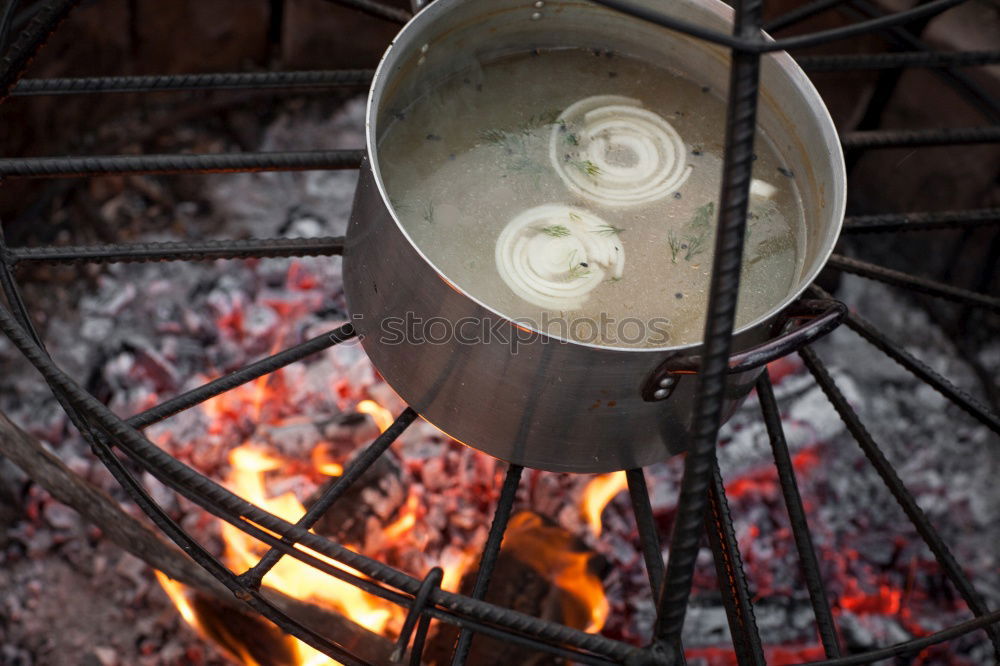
x=815, y=318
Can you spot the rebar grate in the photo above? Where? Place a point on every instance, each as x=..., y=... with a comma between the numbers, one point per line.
x=702, y=500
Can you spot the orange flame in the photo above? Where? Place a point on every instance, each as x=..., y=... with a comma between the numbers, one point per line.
x=248, y=468
x=454, y=563
x=175, y=592
x=380, y=415
x=598, y=494
x=549, y=550
x=293, y=577
x=178, y=594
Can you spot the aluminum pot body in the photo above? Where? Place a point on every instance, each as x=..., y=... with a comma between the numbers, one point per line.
x=518, y=394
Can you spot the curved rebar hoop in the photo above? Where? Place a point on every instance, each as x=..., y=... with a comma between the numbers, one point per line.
x=702, y=503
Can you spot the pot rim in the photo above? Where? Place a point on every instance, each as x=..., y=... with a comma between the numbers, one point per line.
x=802, y=82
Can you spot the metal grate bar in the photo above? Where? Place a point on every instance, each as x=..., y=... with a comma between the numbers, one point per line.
x=800, y=13
x=19, y=55
x=346, y=78
x=950, y=136
x=470, y=615
x=417, y=653
x=253, y=576
x=902, y=496
x=20, y=319
x=750, y=42
x=649, y=536
x=969, y=89
x=180, y=251
x=442, y=614
x=206, y=560
x=652, y=553
x=720, y=318
x=732, y=576
x=244, y=375
x=840, y=62
x=808, y=560
x=949, y=219
x=222, y=503
x=68, y=391
x=907, y=281
x=910, y=648
x=491, y=551
x=416, y=614
x=376, y=9
x=6, y=23
x=921, y=11
x=103, y=165
x=20, y=323
x=921, y=370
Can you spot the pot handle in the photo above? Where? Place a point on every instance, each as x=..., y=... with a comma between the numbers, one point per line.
x=821, y=317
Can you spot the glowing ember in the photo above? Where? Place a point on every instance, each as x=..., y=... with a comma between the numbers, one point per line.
x=598, y=494
x=885, y=601
x=407, y=519
x=323, y=464
x=251, y=464
x=258, y=467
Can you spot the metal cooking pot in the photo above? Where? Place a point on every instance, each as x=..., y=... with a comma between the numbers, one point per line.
x=521, y=395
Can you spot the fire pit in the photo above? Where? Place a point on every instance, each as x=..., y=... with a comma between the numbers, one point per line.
x=388, y=536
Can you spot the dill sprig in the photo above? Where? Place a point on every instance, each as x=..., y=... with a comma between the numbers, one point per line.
x=556, y=231
x=609, y=230
x=587, y=167
x=695, y=246
x=429, y=212
x=675, y=245
x=493, y=136
x=695, y=239
x=517, y=157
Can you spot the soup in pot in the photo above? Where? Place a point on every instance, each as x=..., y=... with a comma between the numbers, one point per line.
x=577, y=193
